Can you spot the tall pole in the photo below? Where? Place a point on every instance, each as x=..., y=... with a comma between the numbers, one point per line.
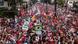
x=55, y=2
x=46, y=1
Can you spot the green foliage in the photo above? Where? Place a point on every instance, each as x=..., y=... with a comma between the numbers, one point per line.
x=46, y=1
x=20, y=1
x=8, y=13
x=34, y=1
x=1, y=13
x=60, y=2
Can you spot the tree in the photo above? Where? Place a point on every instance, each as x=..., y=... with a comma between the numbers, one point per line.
x=60, y=2
x=34, y=1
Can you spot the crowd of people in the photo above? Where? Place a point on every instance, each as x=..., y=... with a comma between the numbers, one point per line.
x=39, y=25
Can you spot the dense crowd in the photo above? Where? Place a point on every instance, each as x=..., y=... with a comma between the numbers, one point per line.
x=40, y=26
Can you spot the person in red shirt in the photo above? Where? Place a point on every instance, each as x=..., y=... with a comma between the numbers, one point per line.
x=22, y=39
